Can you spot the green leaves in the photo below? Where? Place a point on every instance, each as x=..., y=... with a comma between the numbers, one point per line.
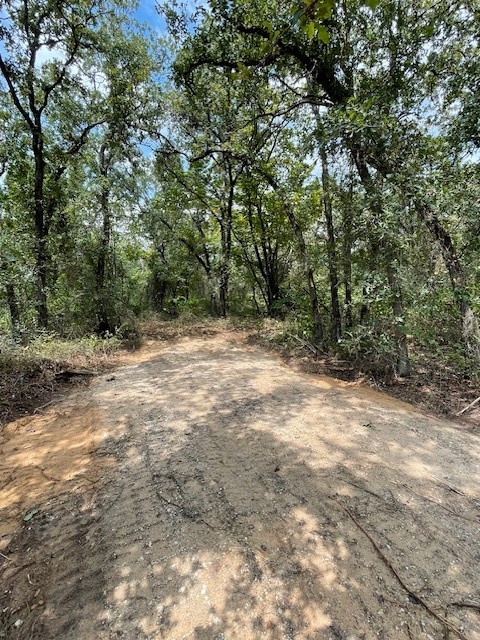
x=312, y=16
x=323, y=34
x=30, y=514
x=310, y=30
x=315, y=28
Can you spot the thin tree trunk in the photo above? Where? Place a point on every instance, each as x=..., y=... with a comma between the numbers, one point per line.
x=103, y=315
x=266, y=263
x=318, y=334
x=255, y=301
x=336, y=320
x=41, y=260
x=365, y=308
x=226, y=246
x=41, y=230
x=347, y=259
x=104, y=243
x=214, y=304
x=403, y=362
x=223, y=291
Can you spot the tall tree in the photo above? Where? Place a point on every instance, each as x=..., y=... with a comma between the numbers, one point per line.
x=43, y=71
x=374, y=105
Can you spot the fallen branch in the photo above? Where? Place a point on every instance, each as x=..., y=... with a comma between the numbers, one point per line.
x=438, y=504
x=45, y=475
x=458, y=491
x=333, y=368
x=47, y=404
x=358, y=486
x=449, y=486
x=68, y=373
x=18, y=569
x=414, y=596
x=184, y=511
x=307, y=345
x=469, y=406
x=466, y=605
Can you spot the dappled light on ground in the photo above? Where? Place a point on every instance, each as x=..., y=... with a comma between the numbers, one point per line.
x=42, y=452
x=250, y=501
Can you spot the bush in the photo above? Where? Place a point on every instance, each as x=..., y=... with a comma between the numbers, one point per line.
x=129, y=334
x=372, y=347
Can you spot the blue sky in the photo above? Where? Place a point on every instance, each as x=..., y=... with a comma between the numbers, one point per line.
x=147, y=13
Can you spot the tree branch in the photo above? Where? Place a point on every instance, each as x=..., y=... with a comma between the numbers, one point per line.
x=13, y=92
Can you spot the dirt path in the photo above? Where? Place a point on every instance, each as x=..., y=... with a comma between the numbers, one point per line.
x=210, y=492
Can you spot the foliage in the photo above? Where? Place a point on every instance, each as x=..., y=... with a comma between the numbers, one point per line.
x=313, y=162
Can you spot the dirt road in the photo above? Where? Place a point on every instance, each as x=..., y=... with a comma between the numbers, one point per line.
x=210, y=492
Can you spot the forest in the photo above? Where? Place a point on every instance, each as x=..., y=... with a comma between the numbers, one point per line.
x=311, y=161
x=239, y=319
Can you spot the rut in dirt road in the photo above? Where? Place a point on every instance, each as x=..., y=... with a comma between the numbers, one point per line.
x=228, y=511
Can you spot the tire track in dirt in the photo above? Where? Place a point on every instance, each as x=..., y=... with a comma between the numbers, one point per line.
x=222, y=518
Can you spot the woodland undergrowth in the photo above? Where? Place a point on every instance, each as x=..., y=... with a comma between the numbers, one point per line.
x=31, y=375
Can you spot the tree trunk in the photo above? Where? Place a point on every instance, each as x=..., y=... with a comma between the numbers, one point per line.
x=365, y=308
x=41, y=230
x=104, y=247
x=336, y=320
x=11, y=301
x=266, y=262
x=103, y=312
x=403, y=361
x=318, y=334
x=226, y=245
x=255, y=301
x=387, y=251
x=158, y=292
x=41, y=260
x=347, y=259
x=223, y=291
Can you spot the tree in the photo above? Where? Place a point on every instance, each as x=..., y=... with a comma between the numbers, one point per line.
x=43, y=71
x=132, y=110
x=341, y=72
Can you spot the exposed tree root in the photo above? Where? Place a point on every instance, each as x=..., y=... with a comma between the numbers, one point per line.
x=184, y=511
x=466, y=605
x=415, y=597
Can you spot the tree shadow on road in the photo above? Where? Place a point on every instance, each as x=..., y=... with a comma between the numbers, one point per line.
x=230, y=513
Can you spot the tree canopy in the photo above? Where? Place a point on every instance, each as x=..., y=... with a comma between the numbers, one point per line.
x=315, y=162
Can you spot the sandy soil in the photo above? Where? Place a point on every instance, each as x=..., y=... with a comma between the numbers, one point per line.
x=210, y=492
